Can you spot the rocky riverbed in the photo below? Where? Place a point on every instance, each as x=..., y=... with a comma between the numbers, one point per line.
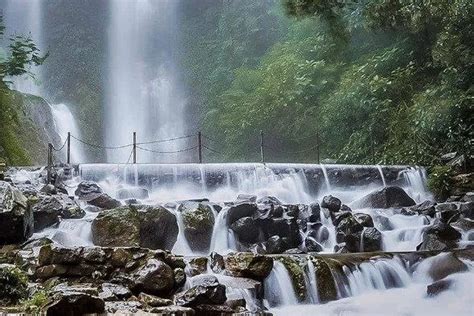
x=123, y=253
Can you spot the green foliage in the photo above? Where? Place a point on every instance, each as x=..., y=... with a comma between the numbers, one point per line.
x=34, y=304
x=440, y=181
x=13, y=284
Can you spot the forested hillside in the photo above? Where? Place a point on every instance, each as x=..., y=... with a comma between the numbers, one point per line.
x=379, y=81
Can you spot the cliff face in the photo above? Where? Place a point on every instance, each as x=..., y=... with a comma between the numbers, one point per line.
x=26, y=128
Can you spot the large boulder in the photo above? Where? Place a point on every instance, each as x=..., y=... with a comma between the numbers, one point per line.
x=156, y=278
x=326, y=285
x=445, y=264
x=387, y=197
x=74, y=303
x=427, y=208
x=198, y=220
x=249, y=265
x=150, y=227
x=371, y=240
x=46, y=212
x=240, y=210
x=16, y=217
x=439, y=236
x=333, y=204
x=246, y=229
x=88, y=190
x=208, y=291
x=104, y=201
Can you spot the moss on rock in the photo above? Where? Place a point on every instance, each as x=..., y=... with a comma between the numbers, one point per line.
x=295, y=266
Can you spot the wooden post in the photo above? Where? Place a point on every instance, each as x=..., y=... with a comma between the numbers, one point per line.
x=200, y=146
x=68, y=148
x=262, y=153
x=50, y=163
x=134, y=147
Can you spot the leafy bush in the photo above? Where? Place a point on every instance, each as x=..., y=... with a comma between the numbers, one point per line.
x=440, y=181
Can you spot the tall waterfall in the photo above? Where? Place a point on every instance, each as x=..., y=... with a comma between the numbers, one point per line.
x=23, y=17
x=143, y=91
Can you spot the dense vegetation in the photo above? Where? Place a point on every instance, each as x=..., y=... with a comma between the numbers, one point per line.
x=379, y=81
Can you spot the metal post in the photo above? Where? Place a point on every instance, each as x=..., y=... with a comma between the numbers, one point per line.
x=50, y=162
x=262, y=153
x=68, y=148
x=317, y=145
x=134, y=147
x=200, y=146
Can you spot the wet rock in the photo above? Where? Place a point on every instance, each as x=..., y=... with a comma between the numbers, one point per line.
x=46, y=212
x=371, y=240
x=49, y=189
x=173, y=311
x=339, y=216
x=53, y=254
x=154, y=301
x=132, y=193
x=269, y=200
x=467, y=210
x=123, y=307
x=209, y=291
x=197, y=266
x=349, y=225
x=149, y=227
x=364, y=219
x=50, y=271
x=105, y=202
x=74, y=303
x=198, y=221
x=13, y=285
x=468, y=197
x=275, y=244
x=217, y=310
x=240, y=210
x=312, y=245
x=179, y=277
x=247, y=198
x=407, y=212
x=217, y=262
x=448, y=212
x=315, y=213
x=88, y=190
x=427, y=208
x=86, y=288
x=327, y=290
x=16, y=217
x=438, y=287
x=114, y=292
x=445, y=264
x=246, y=229
x=249, y=265
x=333, y=204
x=155, y=278
x=463, y=224
x=94, y=255
x=443, y=230
x=387, y=197
x=285, y=228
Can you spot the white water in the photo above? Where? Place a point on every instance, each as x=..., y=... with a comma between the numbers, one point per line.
x=379, y=168
x=64, y=122
x=143, y=90
x=279, y=287
x=311, y=283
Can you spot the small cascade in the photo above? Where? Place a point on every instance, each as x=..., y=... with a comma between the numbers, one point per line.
x=222, y=240
x=326, y=178
x=416, y=179
x=311, y=283
x=379, y=168
x=279, y=287
x=181, y=246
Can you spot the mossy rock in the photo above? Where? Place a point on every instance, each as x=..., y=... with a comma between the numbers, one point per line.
x=295, y=266
x=327, y=290
x=13, y=285
x=198, y=220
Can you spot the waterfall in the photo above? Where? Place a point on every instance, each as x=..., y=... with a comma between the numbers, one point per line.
x=379, y=168
x=64, y=122
x=23, y=17
x=144, y=93
x=311, y=283
x=279, y=287
x=416, y=179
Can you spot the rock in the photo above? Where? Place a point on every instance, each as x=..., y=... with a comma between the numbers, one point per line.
x=217, y=262
x=384, y=223
x=247, y=198
x=240, y=210
x=74, y=303
x=209, y=291
x=468, y=197
x=13, y=284
x=327, y=290
x=154, y=301
x=433, y=242
x=246, y=229
x=285, y=228
x=439, y=286
x=16, y=217
x=49, y=189
x=173, y=311
x=445, y=264
x=132, y=193
x=155, y=278
x=349, y=225
x=197, y=266
x=50, y=271
x=114, y=292
x=269, y=200
x=179, y=277
x=427, y=208
x=275, y=244
x=86, y=288
x=439, y=236
x=123, y=307
x=332, y=203
x=443, y=230
x=198, y=221
x=364, y=219
x=149, y=227
x=448, y=212
x=46, y=212
x=53, y=254
x=312, y=245
x=371, y=240
x=315, y=213
x=249, y=265
x=88, y=190
x=214, y=310
x=387, y=197
x=463, y=224
x=104, y=201
x=94, y=255
x=467, y=210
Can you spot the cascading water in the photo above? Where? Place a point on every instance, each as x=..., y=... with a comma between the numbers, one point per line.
x=279, y=287
x=143, y=89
